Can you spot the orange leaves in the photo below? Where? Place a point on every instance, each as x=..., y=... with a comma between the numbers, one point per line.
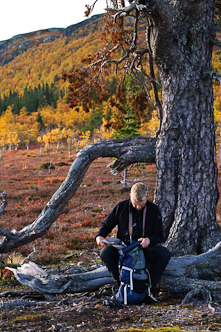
x=87, y=86
x=57, y=179
x=141, y=106
x=88, y=10
x=6, y=275
x=86, y=223
x=113, y=32
x=88, y=59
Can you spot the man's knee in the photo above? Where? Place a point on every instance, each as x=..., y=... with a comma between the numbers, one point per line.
x=163, y=253
x=108, y=253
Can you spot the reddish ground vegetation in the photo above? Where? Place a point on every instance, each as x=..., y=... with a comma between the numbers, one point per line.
x=29, y=186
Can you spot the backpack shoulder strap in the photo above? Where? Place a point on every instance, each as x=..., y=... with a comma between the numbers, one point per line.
x=131, y=247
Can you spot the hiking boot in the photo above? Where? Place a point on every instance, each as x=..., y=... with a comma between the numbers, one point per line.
x=149, y=300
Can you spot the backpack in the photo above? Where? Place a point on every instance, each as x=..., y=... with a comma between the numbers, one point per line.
x=135, y=281
x=134, y=275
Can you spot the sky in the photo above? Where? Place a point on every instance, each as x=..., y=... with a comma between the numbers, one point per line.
x=23, y=16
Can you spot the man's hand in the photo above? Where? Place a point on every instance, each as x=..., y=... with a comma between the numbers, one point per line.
x=100, y=240
x=145, y=241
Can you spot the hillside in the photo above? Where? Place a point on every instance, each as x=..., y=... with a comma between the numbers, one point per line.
x=34, y=94
x=43, y=56
x=11, y=48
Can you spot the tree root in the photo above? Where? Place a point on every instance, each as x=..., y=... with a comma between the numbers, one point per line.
x=200, y=293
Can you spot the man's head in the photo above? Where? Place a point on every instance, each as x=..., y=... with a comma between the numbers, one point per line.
x=138, y=195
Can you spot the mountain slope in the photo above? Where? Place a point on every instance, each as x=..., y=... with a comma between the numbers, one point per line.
x=32, y=65
x=11, y=48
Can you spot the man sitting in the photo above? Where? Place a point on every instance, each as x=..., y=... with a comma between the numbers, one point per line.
x=138, y=220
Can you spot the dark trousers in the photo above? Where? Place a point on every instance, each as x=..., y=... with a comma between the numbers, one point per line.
x=157, y=258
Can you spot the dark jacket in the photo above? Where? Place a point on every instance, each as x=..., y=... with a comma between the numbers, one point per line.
x=120, y=217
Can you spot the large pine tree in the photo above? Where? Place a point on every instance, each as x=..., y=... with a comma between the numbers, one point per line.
x=178, y=39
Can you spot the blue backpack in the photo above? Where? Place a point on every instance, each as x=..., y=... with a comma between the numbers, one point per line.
x=134, y=275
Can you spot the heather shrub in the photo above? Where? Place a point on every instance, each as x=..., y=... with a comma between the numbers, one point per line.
x=50, y=254
x=46, y=166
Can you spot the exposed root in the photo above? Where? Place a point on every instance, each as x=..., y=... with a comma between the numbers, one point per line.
x=198, y=295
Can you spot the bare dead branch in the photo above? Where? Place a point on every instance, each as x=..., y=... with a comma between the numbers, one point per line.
x=134, y=42
x=7, y=234
x=156, y=95
x=141, y=83
x=117, y=62
x=216, y=42
x=127, y=9
x=91, y=8
x=213, y=75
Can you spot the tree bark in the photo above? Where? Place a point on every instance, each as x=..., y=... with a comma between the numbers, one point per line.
x=186, y=190
x=127, y=151
x=183, y=275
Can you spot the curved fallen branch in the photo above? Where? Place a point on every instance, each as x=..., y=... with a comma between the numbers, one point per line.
x=127, y=151
x=48, y=283
x=184, y=275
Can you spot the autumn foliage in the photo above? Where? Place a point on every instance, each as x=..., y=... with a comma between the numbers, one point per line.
x=50, y=97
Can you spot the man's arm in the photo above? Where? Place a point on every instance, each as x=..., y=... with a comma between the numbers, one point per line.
x=108, y=224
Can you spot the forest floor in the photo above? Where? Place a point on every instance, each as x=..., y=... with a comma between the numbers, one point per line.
x=29, y=185
x=92, y=315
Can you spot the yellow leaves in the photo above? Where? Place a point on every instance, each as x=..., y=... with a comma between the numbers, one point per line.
x=85, y=138
x=47, y=114
x=149, y=128
x=53, y=136
x=9, y=129
x=39, y=139
x=106, y=133
x=217, y=109
x=49, y=59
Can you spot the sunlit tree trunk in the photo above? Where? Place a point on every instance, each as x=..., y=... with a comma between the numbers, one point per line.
x=187, y=190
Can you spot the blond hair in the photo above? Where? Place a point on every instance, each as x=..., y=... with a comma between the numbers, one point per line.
x=139, y=191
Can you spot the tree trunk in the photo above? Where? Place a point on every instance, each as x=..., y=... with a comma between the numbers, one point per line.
x=186, y=189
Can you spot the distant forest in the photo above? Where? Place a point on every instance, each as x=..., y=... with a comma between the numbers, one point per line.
x=32, y=98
